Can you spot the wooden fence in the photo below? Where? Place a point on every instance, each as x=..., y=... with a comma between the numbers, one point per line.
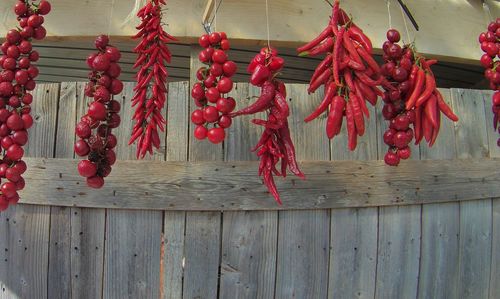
x=442, y=243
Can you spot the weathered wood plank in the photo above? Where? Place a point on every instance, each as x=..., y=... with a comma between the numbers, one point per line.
x=470, y=131
x=59, y=277
x=303, y=236
x=87, y=252
x=175, y=221
x=249, y=244
x=234, y=186
x=398, y=252
x=24, y=233
x=173, y=253
x=475, y=217
x=440, y=227
x=132, y=254
x=248, y=259
x=202, y=240
x=133, y=238
x=495, y=250
x=353, y=255
x=475, y=249
x=202, y=245
x=77, y=235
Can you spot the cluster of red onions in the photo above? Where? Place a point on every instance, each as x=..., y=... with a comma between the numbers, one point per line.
x=215, y=84
x=97, y=141
x=16, y=83
x=491, y=47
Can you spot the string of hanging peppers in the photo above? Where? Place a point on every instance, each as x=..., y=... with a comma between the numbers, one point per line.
x=150, y=91
x=275, y=144
x=17, y=81
x=94, y=129
x=349, y=74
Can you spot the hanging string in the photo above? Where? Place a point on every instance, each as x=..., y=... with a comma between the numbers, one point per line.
x=486, y=8
x=406, y=25
x=111, y=16
x=389, y=13
x=215, y=16
x=267, y=23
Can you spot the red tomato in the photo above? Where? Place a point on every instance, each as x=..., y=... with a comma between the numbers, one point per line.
x=216, y=135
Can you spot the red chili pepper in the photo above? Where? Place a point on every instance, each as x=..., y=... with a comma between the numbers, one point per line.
x=325, y=64
x=336, y=58
x=426, y=127
x=435, y=131
x=349, y=46
x=316, y=41
x=430, y=110
x=327, y=99
x=419, y=83
x=260, y=75
x=357, y=113
x=319, y=81
x=263, y=102
x=351, y=127
x=367, y=92
x=444, y=107
x=368, y=59
x=335, y=116
x=290, y=151
x=418, y=125
x=367, y=80
x=361, y=99
x=430, y=86
x=358, y=35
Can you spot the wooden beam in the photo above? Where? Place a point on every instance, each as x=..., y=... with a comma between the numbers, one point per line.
x=235, y=185
x=448, y=28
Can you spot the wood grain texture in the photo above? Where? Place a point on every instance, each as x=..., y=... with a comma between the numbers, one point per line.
x=475, y=217
x=249, y=244
x=353, y=255
x=249, y=239
x=24, y=233
x=353, y=241
x=475, y=249
x=398, y=252
x=495, y=251
x=440, y=227
x=173, y=253
x=303, y=236
x=202, y=250
x=234, y=186
x=133, y=238
x=174, y=223
x=203, y=230
x=59, y=277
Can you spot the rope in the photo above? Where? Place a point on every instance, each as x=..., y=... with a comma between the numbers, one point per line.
x=111, y=16
x=389, y=13
x=267, y=24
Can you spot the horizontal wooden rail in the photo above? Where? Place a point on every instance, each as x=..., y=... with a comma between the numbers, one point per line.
x=235, y=185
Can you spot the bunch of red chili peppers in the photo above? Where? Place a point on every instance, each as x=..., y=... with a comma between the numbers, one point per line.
x=94, y=130
x=215, y=84
x=275, y=144
x=349, y=74
x=150, y=92
x=17, y=80
x=491, y=46
x=414, y=99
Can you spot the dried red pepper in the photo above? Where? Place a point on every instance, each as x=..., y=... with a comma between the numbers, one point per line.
x=348, y=70
x=150, y=92
x=275, y=144
x=97, y=142
x=17, y=81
